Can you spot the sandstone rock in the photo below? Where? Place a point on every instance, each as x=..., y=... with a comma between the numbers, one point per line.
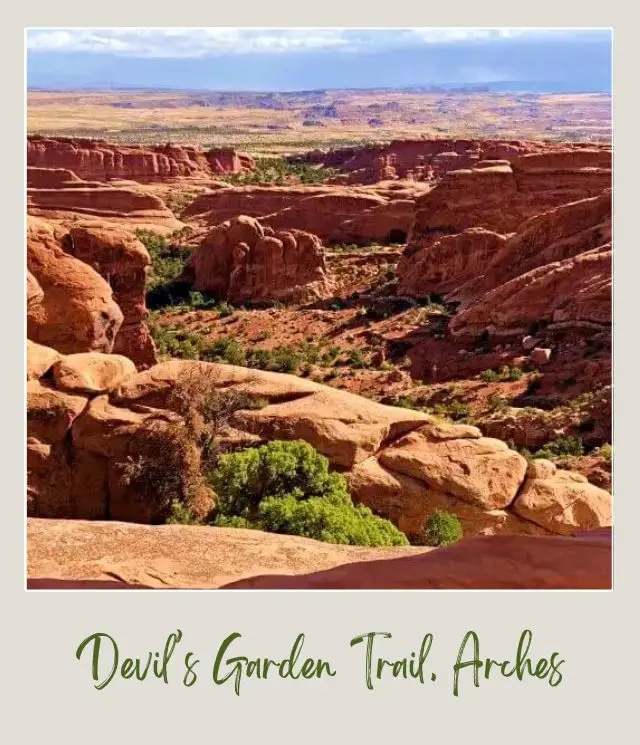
x=461, y=224
x=540, y=356
x=402, y=463
x=77, y=312
x=562, y=501
x=346, y=215
x=529, y=342
x=124, y=262
x=553, y=235
x=456, y=460
x=408, y=502
x=39, y=359
x=238, y=261
x=100, y=160
x=50, y=412
x=69, y=553
x=35, y=295
x=581, y=286
x=487, y=563
x=423, y=159
x=447, y=263
x=91, y=372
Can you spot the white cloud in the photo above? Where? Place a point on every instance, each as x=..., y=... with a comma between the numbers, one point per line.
x=204, y=42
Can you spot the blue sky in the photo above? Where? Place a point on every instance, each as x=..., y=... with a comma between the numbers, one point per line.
x=299, y=59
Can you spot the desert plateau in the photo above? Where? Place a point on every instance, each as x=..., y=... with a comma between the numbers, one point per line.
x=326, y=339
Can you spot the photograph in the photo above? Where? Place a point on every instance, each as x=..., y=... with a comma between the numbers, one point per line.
x=318, y=308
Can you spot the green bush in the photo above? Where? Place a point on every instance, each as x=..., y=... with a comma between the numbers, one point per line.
x=330, y=521
x=286, y=487
x=226, y=309
x=561, y=446
x=606, y=451
x=489, y=376
x=505, y=374
x=279, y=171
x=180, y=514
x=442, y=529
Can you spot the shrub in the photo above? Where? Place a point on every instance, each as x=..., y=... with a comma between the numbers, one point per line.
x=180, y=514
x=226, y=309
x=286, y=487
x=442, y=529
x=233, y=521
x=455, y=410
x=356, y=360
x=330, y=521
x=489, y=376
x=285, y=360
x=497, y=403
x=226, y=350
x=606, y=451
x=506, y=373
x=510, y=373
x=561, y=446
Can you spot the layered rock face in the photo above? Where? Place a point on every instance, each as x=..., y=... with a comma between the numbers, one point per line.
x=499, y=196
x=402, y=463
x=425, y=159
x=244, y=261
x=517, y=244
x=99, y=160
x=86, y=290
x=59, y=195
x=336, y=215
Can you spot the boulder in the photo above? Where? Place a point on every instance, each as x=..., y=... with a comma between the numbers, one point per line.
x=91, y=372
x=540, y=356
x=408, y=502
x=40, y=359
x=562, y=501
x=77, y=312
x=457, y=460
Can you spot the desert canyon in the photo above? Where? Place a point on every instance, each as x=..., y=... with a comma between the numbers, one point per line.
x=431, y=314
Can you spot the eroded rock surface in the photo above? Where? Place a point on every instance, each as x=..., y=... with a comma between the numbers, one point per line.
x=245, y=262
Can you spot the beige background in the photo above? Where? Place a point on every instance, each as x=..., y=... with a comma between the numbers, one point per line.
x=49, y=695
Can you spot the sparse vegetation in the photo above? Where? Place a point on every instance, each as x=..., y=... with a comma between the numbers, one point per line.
x=279, y=172
x=606, y=452
x=442, y=529
x=505, y=374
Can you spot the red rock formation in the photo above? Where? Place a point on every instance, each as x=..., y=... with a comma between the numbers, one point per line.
x=402, y=463
x=124, y=262
x=50, y=178
x=62, y=197
x=501, y=197
x=336, y=215
x=77, y=553
x=65, y=554
x=483, y=563
x=575, y=290
x=425, y=159
x=100, y=160
x=77, y=311
x=513, y=246
x=242, y=261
